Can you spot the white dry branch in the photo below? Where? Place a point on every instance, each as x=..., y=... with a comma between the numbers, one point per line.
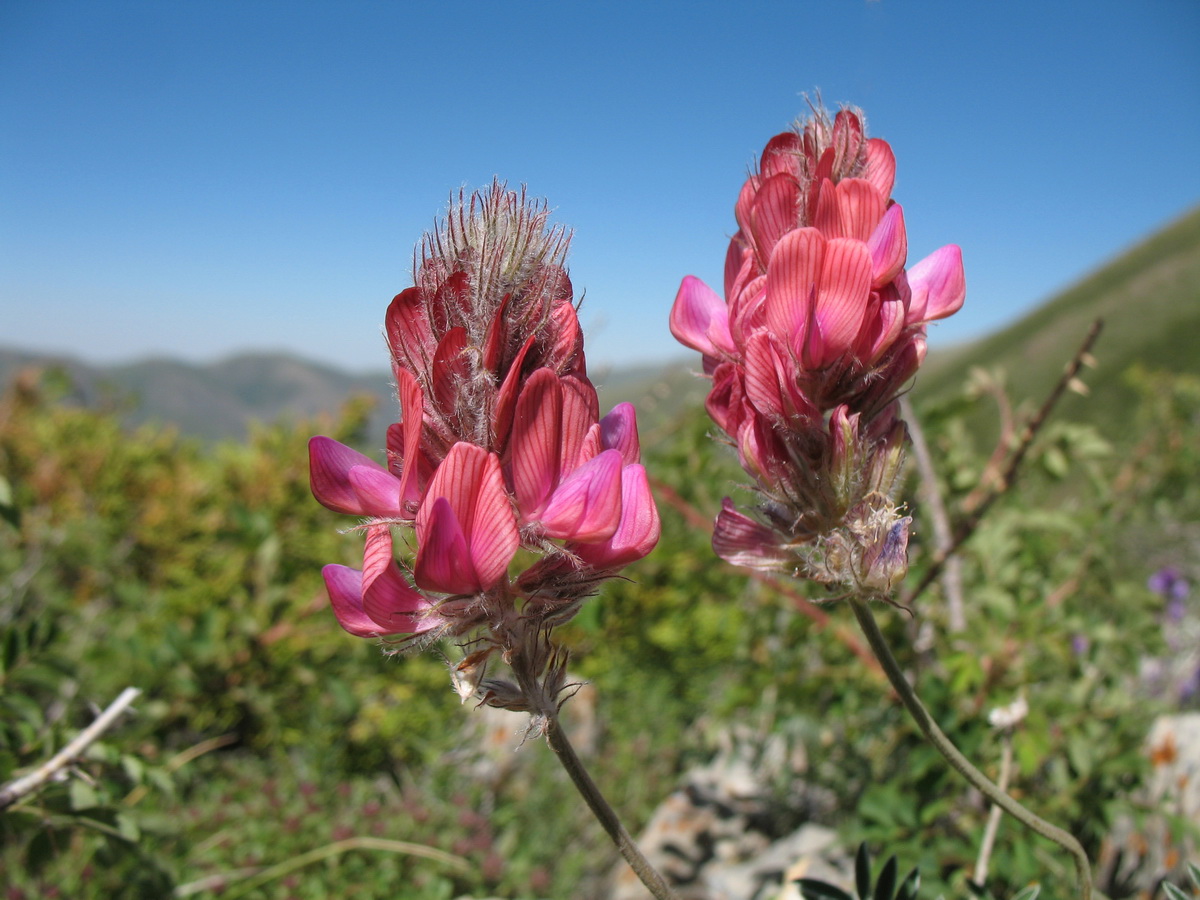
x=19, y=787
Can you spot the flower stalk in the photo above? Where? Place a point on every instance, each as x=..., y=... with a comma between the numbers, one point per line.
x=954, y=757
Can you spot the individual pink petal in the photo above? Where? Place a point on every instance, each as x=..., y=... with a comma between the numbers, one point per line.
x=450, y=369
x=506, y=397
x=618, y=431
x=412, y=409
x=740, y=540
x=847, y=140
x=745, y=202
x=344, y=586
x=740, y=266
x=407, y=328
x=581, y=409
x=724, y=400
x=639, y=528
x=792, y=279
x=938, y=285
x=780, y=154
x=329, y=466
x=387, y=597
x=534, y=446
x=883, y=324
x=493, y=528
x=466, y=529
x=443, y=560
x=587, y=505
x=770, y=382
x=378, y=489
x=841, y=302
x=860, y=207
x=699, y=318
x=881, y=166
x=496, y=343
x=566, y=353
x=825, y=213
x=775, y=211
x=450, y=303
x=888, y=244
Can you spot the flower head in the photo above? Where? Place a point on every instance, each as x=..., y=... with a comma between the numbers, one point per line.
x=820, y=328
x=500, y=449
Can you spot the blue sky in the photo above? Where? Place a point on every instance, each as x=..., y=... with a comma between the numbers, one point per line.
x=194, y=179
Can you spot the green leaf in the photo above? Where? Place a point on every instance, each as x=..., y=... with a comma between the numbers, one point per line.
x=83, y=795
x=1174, y=893
x=910, y=886
x=814, y=889
x=1028, y=893
x=128, y=828
x=887, y=880
x=1194, y=871
x=862, y=871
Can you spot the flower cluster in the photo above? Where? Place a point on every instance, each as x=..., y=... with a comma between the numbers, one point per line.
x=820, y=329
x=500, y=457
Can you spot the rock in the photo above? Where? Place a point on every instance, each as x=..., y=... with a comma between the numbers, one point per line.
x=1139, y=858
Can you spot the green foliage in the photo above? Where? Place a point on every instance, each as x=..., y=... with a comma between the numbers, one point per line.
x=270, y=749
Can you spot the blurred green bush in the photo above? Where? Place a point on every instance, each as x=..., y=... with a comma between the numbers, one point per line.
x=265, y=732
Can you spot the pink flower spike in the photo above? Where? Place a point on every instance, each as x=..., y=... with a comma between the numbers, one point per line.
x=465, y=526
x=618, y=431
x=371, y=491
x=638, y=531
x=700, y=319
x=587, y=505
x=938, y=285
x=889, y=247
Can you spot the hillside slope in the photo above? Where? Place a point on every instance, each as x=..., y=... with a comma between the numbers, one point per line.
x=1149, y=298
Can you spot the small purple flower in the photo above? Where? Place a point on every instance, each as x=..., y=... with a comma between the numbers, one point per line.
x=1169, y=583
x=1080, y=644
x=1190, y=688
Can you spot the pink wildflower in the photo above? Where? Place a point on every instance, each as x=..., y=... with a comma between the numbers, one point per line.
x=500, y=449
x=820, y=329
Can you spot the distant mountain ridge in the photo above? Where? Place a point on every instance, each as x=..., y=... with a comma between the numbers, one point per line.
x=219, y=400
x=213, y=400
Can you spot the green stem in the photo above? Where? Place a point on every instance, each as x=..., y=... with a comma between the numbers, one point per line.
x=604, y=813
x=957, y=761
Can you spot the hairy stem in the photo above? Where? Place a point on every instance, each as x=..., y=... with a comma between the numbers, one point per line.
x=957, y=761
x=604, y=813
